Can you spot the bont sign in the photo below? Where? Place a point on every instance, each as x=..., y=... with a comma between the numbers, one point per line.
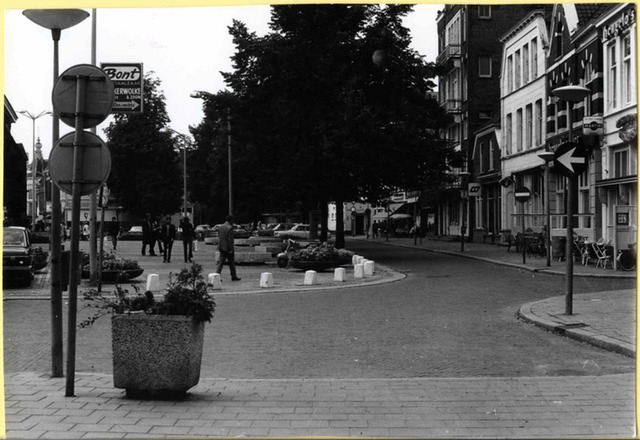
x=128, y=86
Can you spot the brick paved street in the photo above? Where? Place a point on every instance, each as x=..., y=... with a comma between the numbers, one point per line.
x=411, y=358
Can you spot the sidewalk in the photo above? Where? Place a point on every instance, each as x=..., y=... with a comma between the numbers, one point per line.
x=605, y=319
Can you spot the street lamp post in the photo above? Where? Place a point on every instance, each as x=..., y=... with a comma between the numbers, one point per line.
x=34, y=204
x=200, y=94
x=184, y=169
x=56, y=20
x=571, y=95
x=464, y=175
x=547, y=156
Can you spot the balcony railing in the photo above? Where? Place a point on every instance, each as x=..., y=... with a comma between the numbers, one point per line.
x=451, y=105
x=450, y=51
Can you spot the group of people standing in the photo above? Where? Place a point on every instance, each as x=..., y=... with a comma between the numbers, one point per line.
x=165, y=234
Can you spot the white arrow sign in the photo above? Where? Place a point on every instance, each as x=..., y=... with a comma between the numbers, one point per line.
x=567, y=159
x=132, y=105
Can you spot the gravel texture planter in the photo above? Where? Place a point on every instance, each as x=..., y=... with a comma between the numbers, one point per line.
x=156, y=356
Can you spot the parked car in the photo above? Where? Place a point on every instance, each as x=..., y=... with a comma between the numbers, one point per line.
x=240, y=232
x=299, y=231
x=17, y=255
x=133, y=234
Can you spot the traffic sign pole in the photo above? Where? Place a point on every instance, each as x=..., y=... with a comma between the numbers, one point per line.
x=75, y=235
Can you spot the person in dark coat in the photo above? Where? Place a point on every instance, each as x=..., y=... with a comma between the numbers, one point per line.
x=226, y=247
x=114, y=231
x=148, y=235
x=157, y=229
x=168, y=235
x=188, y=235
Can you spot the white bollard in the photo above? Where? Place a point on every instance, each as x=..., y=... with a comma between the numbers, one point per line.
x=359, y=260
x=354, y=259
x=358, y=271
x=266, y=279
x=339, y=274
x=153, y=282
x=215, y=280
x=195, y=246
x=369, y=268
x=310, y=277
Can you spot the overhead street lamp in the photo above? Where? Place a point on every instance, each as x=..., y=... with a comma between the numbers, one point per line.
x=547, y=156
x=200, y=94
x=571, y=95
x=34, y=204
x=186, y=141
x=56, y=20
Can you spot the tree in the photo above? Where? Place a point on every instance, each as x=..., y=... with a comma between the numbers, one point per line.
x=145, y=171
x=319, y=121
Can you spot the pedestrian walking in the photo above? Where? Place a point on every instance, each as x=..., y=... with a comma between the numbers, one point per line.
x=114, y=231
x=188, y=234
x=226, y=247
x=375, y=229
x=168, y=235
x=148, y=236
x=157, y=232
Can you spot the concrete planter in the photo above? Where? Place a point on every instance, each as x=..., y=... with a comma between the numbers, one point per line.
x=156, y=355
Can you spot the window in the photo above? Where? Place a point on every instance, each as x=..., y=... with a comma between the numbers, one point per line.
x=508, y=134
x=584, y=204
x=482, y=159
x=484, y=11
x=539, y=122
x=534, y=58
x=510, y=74
x=612, y=88
x=529, y=122
x=517, y=73
x=519, y=130
x=586, y=103
x=491, y=154
x=484, y=69
x=525, y=64
x=484, y=114
x=627, y=79
x=558, y=37
x=621, y=163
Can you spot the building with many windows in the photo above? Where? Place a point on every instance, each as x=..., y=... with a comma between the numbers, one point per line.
x=523, y=116
x=469, y=63
x=617, y=184
x=575, y=58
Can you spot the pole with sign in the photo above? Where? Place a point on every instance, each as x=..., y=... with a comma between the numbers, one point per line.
x=522, y=195
x=570, y=160
x=82, y=98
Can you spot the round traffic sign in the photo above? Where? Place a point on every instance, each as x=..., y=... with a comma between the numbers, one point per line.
x=98, y=95
x=522, y=194
x=570, y=159
x=96, y=163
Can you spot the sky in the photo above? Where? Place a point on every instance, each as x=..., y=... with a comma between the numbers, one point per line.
x=185, y=47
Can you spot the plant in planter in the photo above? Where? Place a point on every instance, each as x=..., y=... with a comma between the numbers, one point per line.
x=157, y=345
x=113, y=268
x=320, y=257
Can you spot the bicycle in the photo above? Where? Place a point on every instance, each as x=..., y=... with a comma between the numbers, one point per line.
x=626, y=258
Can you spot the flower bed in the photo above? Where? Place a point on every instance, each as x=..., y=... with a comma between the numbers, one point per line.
x=114, y=269
x=320, y=257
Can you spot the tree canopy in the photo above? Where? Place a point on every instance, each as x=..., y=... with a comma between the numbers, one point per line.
x=316, y=117
x=146, y=172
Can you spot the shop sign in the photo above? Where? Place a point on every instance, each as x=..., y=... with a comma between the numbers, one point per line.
x=627, y=18
x=622, y=219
